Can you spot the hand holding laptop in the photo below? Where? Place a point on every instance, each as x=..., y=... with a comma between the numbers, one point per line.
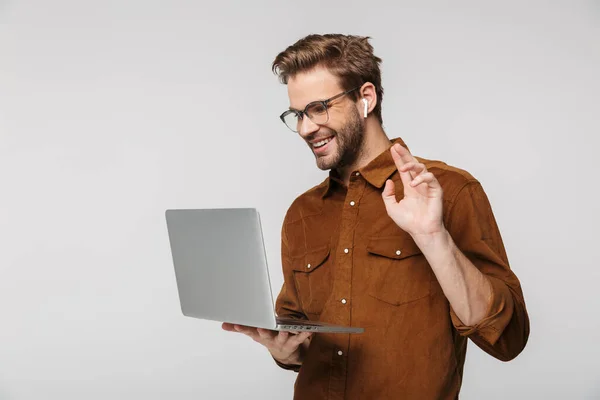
x=285, y=347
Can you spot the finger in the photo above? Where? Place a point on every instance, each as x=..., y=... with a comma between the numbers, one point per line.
x=407, y=158
x=265, y=334
x=404, y=153
x=228, y=327
x=389, y=193
x=249, y=331
x=282, y=338
x=413, y=166
x=235, y=327
x=404, y=175
x=427, y=178
x=298, y=339
x=396, y=156
x=389, y=190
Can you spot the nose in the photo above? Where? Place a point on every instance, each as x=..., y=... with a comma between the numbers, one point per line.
x=307, y=127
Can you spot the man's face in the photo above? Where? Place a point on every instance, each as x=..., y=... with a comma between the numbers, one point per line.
x=336, y=143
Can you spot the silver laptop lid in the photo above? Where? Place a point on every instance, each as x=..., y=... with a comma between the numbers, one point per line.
x=221, y=266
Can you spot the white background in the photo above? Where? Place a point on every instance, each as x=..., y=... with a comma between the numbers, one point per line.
x=113, y=111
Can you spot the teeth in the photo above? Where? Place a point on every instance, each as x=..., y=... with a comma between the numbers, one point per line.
x=321, y=143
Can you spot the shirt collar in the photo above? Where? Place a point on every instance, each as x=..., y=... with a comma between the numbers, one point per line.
x=376, y=172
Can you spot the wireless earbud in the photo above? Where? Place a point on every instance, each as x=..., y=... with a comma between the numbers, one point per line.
x=366, y=106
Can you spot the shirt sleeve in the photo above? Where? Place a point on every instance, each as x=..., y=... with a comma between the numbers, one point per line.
x=504, y=331
x=287, y=304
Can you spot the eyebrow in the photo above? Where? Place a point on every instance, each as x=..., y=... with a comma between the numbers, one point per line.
x=311, y=102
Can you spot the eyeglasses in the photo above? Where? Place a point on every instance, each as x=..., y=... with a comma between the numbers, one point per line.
x=316, y=111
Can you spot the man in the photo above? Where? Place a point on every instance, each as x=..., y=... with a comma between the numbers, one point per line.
x=405, y=247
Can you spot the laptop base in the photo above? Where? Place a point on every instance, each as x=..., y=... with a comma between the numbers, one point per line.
x=295, y=325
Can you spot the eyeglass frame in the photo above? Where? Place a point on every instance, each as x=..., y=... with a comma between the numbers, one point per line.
x=300, y=113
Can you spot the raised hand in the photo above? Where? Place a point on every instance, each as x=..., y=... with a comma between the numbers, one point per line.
x=420, y=211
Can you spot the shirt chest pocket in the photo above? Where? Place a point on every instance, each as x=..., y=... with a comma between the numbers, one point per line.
x=312, y=276
x=399, y=272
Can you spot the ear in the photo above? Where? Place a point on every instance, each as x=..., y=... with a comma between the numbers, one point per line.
x=367, y=92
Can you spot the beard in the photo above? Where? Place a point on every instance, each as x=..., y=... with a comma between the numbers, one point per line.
x=348, y=144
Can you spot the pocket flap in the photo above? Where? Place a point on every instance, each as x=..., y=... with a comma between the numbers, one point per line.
x=311, y=260
x=396, y=247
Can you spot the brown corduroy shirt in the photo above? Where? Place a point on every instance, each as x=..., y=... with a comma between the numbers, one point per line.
x=346, y=262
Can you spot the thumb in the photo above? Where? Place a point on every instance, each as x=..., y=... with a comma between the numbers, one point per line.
x=389, y=193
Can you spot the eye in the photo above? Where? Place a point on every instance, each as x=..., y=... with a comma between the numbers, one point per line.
x=317, y=109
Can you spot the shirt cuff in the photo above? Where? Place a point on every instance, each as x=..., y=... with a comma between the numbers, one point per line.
x=290, y=367
x=499, y=314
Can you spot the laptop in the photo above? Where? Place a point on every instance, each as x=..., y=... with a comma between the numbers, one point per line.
x=221, y=270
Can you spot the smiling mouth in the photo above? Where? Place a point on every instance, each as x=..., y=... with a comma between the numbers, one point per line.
x=321, y=143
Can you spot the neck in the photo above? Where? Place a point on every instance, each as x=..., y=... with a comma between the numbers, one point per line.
x=375, y=142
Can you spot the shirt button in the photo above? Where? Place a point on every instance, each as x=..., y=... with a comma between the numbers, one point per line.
x=308, y=266
x=398, y=252
x=346, y=251
x=352, y=203
x=344, y=301
x=340, y=353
